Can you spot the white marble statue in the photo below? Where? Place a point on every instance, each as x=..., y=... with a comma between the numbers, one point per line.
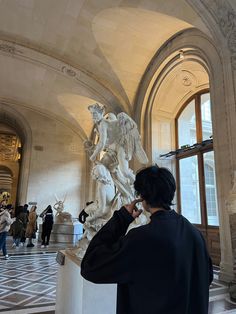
x=101, y=210
x=61, y=215
x=118, y=141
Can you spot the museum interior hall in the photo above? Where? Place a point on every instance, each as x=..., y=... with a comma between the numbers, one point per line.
x=91, y=91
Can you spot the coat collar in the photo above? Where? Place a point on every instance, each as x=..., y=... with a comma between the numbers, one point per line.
x=164, y=214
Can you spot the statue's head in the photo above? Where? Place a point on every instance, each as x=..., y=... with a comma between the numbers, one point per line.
x=111, y=116
x=97, y=111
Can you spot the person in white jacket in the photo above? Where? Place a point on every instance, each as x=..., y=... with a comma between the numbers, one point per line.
x=5, y=223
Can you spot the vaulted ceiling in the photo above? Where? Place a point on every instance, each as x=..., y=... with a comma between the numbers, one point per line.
x=58, y=56
x=9, y=144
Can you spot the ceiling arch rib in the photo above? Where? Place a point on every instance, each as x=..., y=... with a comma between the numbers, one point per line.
x=203, y=51
x=182, y=77
x=189, y=40
x=97, y=90
x=129, y=38
x=111, y=42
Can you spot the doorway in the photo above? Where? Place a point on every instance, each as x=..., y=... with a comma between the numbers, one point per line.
x=10, y=160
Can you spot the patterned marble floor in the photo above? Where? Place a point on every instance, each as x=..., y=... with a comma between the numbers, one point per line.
x=28, y=283
x=220, y=302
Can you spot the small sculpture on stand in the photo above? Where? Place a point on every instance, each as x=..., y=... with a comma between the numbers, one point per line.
x=118, y=142
x=61, y=216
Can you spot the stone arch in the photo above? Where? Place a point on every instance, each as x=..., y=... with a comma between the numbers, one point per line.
x=7, y=169
x=14, y=119
x=203, y=50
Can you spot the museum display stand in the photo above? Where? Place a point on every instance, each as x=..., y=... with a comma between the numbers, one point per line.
x=64, y=232
x=75, y=295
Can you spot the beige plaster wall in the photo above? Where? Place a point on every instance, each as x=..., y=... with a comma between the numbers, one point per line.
x=57, y=164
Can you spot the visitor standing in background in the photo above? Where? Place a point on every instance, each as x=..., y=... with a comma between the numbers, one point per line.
x=47, y=226
x=23, y=216
x=162, y=267
x=17, y=229
x=5, y=223
x=31, y=228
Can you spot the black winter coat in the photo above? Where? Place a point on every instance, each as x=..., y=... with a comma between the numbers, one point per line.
x=48, y=222
x=160, y=268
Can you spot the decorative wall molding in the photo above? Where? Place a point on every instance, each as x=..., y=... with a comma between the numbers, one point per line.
x=225, y=17
x=70, y=72
x=95, y=88
x=9, y=48
x=187, y=78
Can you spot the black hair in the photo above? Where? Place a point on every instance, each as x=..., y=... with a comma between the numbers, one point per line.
x=156, y=185
x=19, y=210
x=49, y=209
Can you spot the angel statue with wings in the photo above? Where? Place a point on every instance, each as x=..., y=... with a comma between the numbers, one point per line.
x=118, y=141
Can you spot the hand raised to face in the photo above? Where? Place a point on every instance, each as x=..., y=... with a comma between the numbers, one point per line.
x=132, y=209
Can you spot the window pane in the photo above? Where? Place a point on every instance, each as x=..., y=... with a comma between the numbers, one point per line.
x=206, y=116
x=210, y=185
x=189, y=189
x=187, y=125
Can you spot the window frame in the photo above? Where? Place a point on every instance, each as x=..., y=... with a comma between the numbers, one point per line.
x=199, y=152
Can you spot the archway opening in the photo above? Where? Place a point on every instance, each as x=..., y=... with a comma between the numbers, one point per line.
x=178, y=92
x=10, y=162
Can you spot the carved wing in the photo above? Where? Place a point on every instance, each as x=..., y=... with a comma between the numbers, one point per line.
x=130, y=138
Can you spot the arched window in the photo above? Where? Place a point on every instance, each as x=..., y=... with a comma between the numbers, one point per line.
x=195, y=162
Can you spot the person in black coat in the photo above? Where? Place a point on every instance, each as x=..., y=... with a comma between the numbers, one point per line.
x=160, y=268
x=47, y=225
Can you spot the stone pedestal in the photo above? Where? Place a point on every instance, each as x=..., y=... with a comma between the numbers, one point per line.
x=64, y=233
x=75, y=295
